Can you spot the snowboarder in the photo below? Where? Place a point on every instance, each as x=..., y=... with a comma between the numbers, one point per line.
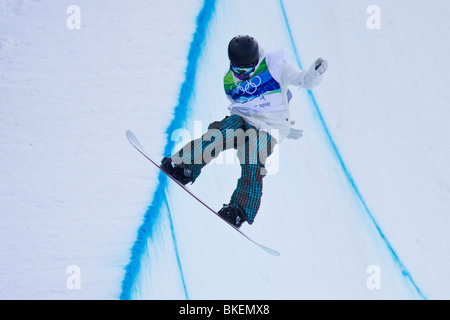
x=256, y=83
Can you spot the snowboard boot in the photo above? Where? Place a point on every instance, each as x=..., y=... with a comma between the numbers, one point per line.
x=233, y=215
x=182, y=175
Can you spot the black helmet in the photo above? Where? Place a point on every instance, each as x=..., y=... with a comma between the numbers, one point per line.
x=243, y=51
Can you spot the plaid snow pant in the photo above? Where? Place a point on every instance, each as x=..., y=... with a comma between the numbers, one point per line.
x=253, y=147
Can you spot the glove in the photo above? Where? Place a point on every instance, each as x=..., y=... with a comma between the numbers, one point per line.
x=321, y=65
x=295, y=134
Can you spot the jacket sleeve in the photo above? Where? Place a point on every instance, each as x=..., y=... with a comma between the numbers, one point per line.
x=307, y=79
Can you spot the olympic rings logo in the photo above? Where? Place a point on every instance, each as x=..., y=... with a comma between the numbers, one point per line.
x=250, y=88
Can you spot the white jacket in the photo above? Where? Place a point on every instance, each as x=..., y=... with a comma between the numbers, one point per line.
x=286, y=75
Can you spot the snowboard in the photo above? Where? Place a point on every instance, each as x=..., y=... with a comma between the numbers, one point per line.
x=137, y=145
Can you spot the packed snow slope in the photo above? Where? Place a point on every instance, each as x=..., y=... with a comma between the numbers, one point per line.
x=358, y=207
x=72, y=192
x=367, y=186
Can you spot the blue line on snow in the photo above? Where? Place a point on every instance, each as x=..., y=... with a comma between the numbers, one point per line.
x=347, y=173
x=159, y=199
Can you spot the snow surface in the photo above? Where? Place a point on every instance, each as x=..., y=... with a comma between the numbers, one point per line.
x=367, y=185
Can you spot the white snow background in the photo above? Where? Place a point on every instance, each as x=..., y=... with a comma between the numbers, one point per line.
x=366, y=188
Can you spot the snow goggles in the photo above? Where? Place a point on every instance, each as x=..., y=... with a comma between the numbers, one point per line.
x=245, y=70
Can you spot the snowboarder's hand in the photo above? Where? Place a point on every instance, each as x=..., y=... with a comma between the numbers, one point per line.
x=295, y=134
x=321, y=65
